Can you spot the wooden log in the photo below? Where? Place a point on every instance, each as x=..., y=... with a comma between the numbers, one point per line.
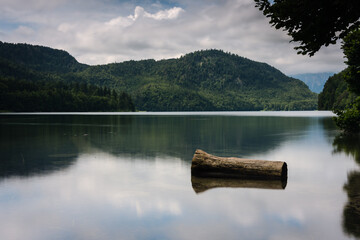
x=202, y=184
x=207, y=165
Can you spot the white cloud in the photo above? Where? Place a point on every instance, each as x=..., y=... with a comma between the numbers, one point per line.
x=120, y=21
x=172, y=13
x=140, y=12
x=99, y=32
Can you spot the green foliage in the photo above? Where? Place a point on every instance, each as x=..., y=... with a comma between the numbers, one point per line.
x=335, y=94
x=312, y=23
x=210, y=80
x=40, y=58
x=349, y=119
x=320, y=23
x=351, y=48
x=155, y=97
x=42, y=96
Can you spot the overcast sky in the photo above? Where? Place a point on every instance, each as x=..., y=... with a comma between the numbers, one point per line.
x=106, y=31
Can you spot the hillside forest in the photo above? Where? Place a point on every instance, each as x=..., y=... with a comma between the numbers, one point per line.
x=37, y=78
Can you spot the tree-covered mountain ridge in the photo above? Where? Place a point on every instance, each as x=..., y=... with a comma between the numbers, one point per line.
x=336, y=94
x=211, y=80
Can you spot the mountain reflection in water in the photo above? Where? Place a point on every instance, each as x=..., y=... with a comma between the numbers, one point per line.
x=128, y=177
x=40, y=144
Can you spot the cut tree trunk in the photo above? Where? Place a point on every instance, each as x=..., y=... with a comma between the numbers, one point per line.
x=207, y=165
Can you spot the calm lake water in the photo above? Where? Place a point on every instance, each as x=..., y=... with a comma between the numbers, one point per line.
x=108, y=176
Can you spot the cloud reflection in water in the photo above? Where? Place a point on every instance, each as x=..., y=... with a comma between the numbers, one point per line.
x=107, y=192
x=104, y=196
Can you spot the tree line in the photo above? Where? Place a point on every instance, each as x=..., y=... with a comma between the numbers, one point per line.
x=58, y=96
x=207, y=80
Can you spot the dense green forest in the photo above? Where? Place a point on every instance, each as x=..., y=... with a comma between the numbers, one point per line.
x=204, y=80
x=58, y=96
x=335, y=94
x=209, y=80
x=38, y=79
x=39, y=58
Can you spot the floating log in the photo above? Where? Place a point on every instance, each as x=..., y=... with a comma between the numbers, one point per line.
x=202, y=184
x=207, y=165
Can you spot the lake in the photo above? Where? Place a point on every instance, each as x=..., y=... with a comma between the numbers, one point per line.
x=127, y=176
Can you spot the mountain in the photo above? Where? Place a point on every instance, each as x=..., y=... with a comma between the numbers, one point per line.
x=204, y=80
x=39, y=58
x=209, y=80
x=39, y=79
x=315, y=81
x=335, y=94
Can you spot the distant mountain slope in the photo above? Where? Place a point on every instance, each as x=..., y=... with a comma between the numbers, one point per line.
x=335, y=94
x=209, y=80
x=40, y=79
x=204, y=80
x=39, y=58
x=315, y=81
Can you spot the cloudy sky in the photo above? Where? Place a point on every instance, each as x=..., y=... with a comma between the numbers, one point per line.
x=105, y=31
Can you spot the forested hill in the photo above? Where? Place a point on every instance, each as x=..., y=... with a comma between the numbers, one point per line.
x=335, y=94
x=203, y=80
x=40, y=58
x=40, y=79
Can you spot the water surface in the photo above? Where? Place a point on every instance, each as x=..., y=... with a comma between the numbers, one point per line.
x=127, y=176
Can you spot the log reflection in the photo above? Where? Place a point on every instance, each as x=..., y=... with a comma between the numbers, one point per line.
x=201, y=184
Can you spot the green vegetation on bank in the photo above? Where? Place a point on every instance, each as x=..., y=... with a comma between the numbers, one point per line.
x=330, y=21
x=335, y=94
x=349, y=119
x=342, y=91
x=210, y=80
x=42, y=96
